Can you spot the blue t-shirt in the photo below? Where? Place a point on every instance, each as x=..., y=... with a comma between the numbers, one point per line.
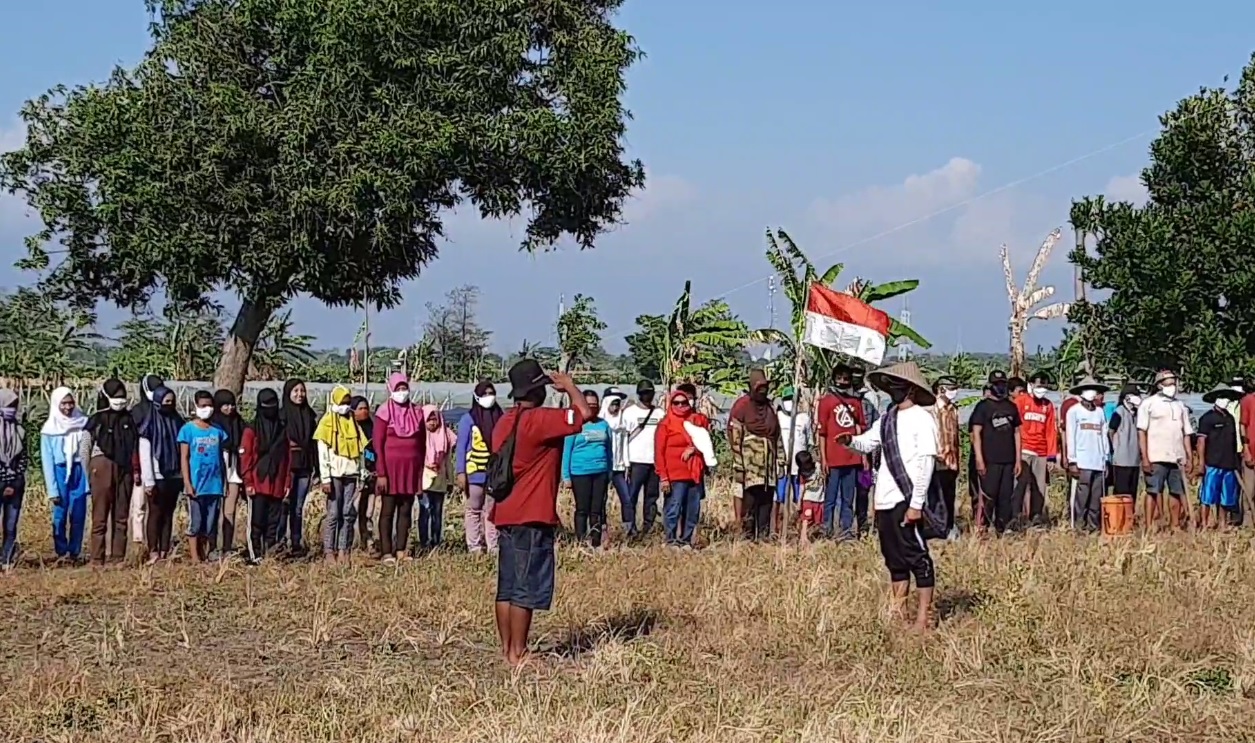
x=205, y=458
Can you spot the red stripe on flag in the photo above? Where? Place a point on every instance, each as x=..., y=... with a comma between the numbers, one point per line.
x=846, y=308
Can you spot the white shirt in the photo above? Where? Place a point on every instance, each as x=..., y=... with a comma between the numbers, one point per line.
x=802, y=438
x=640, y=448
x=1166, y=422
x=917, y=442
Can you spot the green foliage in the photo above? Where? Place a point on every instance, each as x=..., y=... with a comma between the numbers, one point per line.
x=797, y=273
x=275, y=147
x=41, y=338
x=1179, y=268
x=702, y=344
x=579, y=332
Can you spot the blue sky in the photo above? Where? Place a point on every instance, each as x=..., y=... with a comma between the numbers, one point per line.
x=905, y=139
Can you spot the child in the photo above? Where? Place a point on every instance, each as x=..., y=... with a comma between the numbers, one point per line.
x=203, y=462
x=341, y=443
x=1218, y=454
x=812, y=494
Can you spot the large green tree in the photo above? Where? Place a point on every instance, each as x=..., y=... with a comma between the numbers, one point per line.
x=274, y=148
x=1180, y=268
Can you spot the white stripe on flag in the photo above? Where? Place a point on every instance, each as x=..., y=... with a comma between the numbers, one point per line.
x=847, y=338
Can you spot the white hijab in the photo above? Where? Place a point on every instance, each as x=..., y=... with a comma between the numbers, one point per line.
x=68, y=427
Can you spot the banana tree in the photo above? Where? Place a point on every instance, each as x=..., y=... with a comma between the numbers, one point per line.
x=1026, y=298
x=703, y=344
x=797, y=272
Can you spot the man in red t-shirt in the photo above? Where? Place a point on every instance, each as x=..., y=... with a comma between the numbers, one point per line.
x=1039, y=443
x=840, y=412
x=527, y=518
x=1246, y=429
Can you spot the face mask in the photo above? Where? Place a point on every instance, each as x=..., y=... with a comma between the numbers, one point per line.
x=340, y=409
x=204, y=413
x=1169, y=391
x=487, y=401
x=8, y=414
x=400, y=396
x=999, y=389
x=899, y=394
x=786, y=406
x=1089, y=395
x=1133, y=401
x=951, y=395
x=117, y=403
x=1039, y=392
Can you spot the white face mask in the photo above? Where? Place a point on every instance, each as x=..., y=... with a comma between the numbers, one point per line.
x=204, y=413
x=1133, y=401
x=786, y=406
x=1168, y=391
x=1039, y=392
x=117, y=403
x=340, y=409
x=487, y=401
x=401, y=396
x=1237, y=388
x=951, y=395
x=1089, y=395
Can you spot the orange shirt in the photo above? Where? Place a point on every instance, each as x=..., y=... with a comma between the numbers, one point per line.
x=1039, y=427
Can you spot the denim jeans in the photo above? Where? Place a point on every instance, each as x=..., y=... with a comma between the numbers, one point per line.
x=839, y=494
x=644, y=478
x=11, y=510
x=684, y=502
x=618, y=481
x=203, y=513
x=69, y=514
x=430, y=518
x=295, y=502
x=337, y=533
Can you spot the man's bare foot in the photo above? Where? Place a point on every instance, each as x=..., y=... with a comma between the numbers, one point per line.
x=518, y=661
x=152, y=560
x=331, y=558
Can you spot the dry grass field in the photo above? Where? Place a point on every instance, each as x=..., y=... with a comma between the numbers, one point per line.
x=1043, y=637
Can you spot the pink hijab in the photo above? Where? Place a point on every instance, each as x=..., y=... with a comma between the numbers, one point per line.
x=439, y=442
x=405, y=420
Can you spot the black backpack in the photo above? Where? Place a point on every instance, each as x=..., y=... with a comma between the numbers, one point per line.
x=499, y=480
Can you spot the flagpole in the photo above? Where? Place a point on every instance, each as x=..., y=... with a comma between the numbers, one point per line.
x=799, y=354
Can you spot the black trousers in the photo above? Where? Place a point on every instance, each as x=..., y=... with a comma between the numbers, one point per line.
x=395, y=512
x=904, y=549
x=947, y=481
x=590, y=506
x=756, y=503
x=643, y=477
x=265, y=517
x=998, y=495
x=158, y=529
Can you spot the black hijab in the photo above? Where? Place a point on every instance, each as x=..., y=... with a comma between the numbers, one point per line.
x=148, y=384
x=368, y=425
x=272, y=440
x=115, y=432
x=232, y=424
x=300, y=422
x=485, y=418
x=161, y=428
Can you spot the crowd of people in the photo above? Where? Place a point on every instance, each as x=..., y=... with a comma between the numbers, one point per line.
x=849, y=464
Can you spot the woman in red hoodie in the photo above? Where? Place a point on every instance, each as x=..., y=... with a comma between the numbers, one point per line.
x=680, y=466
x=265, y=462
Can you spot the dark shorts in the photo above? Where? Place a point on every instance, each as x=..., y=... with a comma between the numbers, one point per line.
x=525, y=566
x=1165, y=477
x=1125, y=480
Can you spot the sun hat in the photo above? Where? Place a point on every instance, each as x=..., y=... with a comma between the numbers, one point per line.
x=1221, y=391
x=907, y=371
x=526, y=377
x=1088, y=383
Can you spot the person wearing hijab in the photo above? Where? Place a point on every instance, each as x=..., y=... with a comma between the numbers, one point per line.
x=611, y=411
x=113, y=441
x=754, y=438
x=471, y=465
x=13, y=463
x=680, y=465
x=148, y=384
x=61, y=444
x=265, y=454
x=437, y=477
x=367, y=507
x=341, y=443
x=400, y=445
x=226, y=417
x=160, y=470
x=299, y=423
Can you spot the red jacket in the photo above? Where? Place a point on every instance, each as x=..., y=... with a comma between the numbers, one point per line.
x=1039, y=425
x=670, y=443
x=271, y=488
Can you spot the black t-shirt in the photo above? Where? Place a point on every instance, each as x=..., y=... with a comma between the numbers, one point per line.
x=1221, y=432
x=998, y=421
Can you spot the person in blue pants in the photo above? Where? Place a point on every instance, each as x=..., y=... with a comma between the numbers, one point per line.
x=61, y=443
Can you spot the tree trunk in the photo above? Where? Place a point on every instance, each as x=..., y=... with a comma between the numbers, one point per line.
x=1017, y=348
x=237, y=350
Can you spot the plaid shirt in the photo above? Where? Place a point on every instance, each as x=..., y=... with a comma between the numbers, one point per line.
x=947, y=415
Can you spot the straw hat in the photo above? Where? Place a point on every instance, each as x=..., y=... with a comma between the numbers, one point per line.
x=1088, y=383
x=1221, y=391
x=907, y=371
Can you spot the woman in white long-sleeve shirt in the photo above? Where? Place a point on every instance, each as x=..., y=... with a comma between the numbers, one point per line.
x=907, y=438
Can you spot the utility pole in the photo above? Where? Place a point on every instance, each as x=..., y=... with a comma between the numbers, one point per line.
x=904, y=344
x=1078, y=282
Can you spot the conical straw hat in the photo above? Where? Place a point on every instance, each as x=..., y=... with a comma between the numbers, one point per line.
x=907, y=371
x=1088, y=383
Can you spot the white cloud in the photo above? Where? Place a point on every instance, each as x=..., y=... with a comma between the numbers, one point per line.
x=887, y=207
x=662, y=193
x=1127, y=188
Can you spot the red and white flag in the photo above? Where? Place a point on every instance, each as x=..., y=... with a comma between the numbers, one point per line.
x=843, y=323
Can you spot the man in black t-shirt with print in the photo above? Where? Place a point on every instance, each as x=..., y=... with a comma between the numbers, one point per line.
x=995, y=430
x=1217, y=446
